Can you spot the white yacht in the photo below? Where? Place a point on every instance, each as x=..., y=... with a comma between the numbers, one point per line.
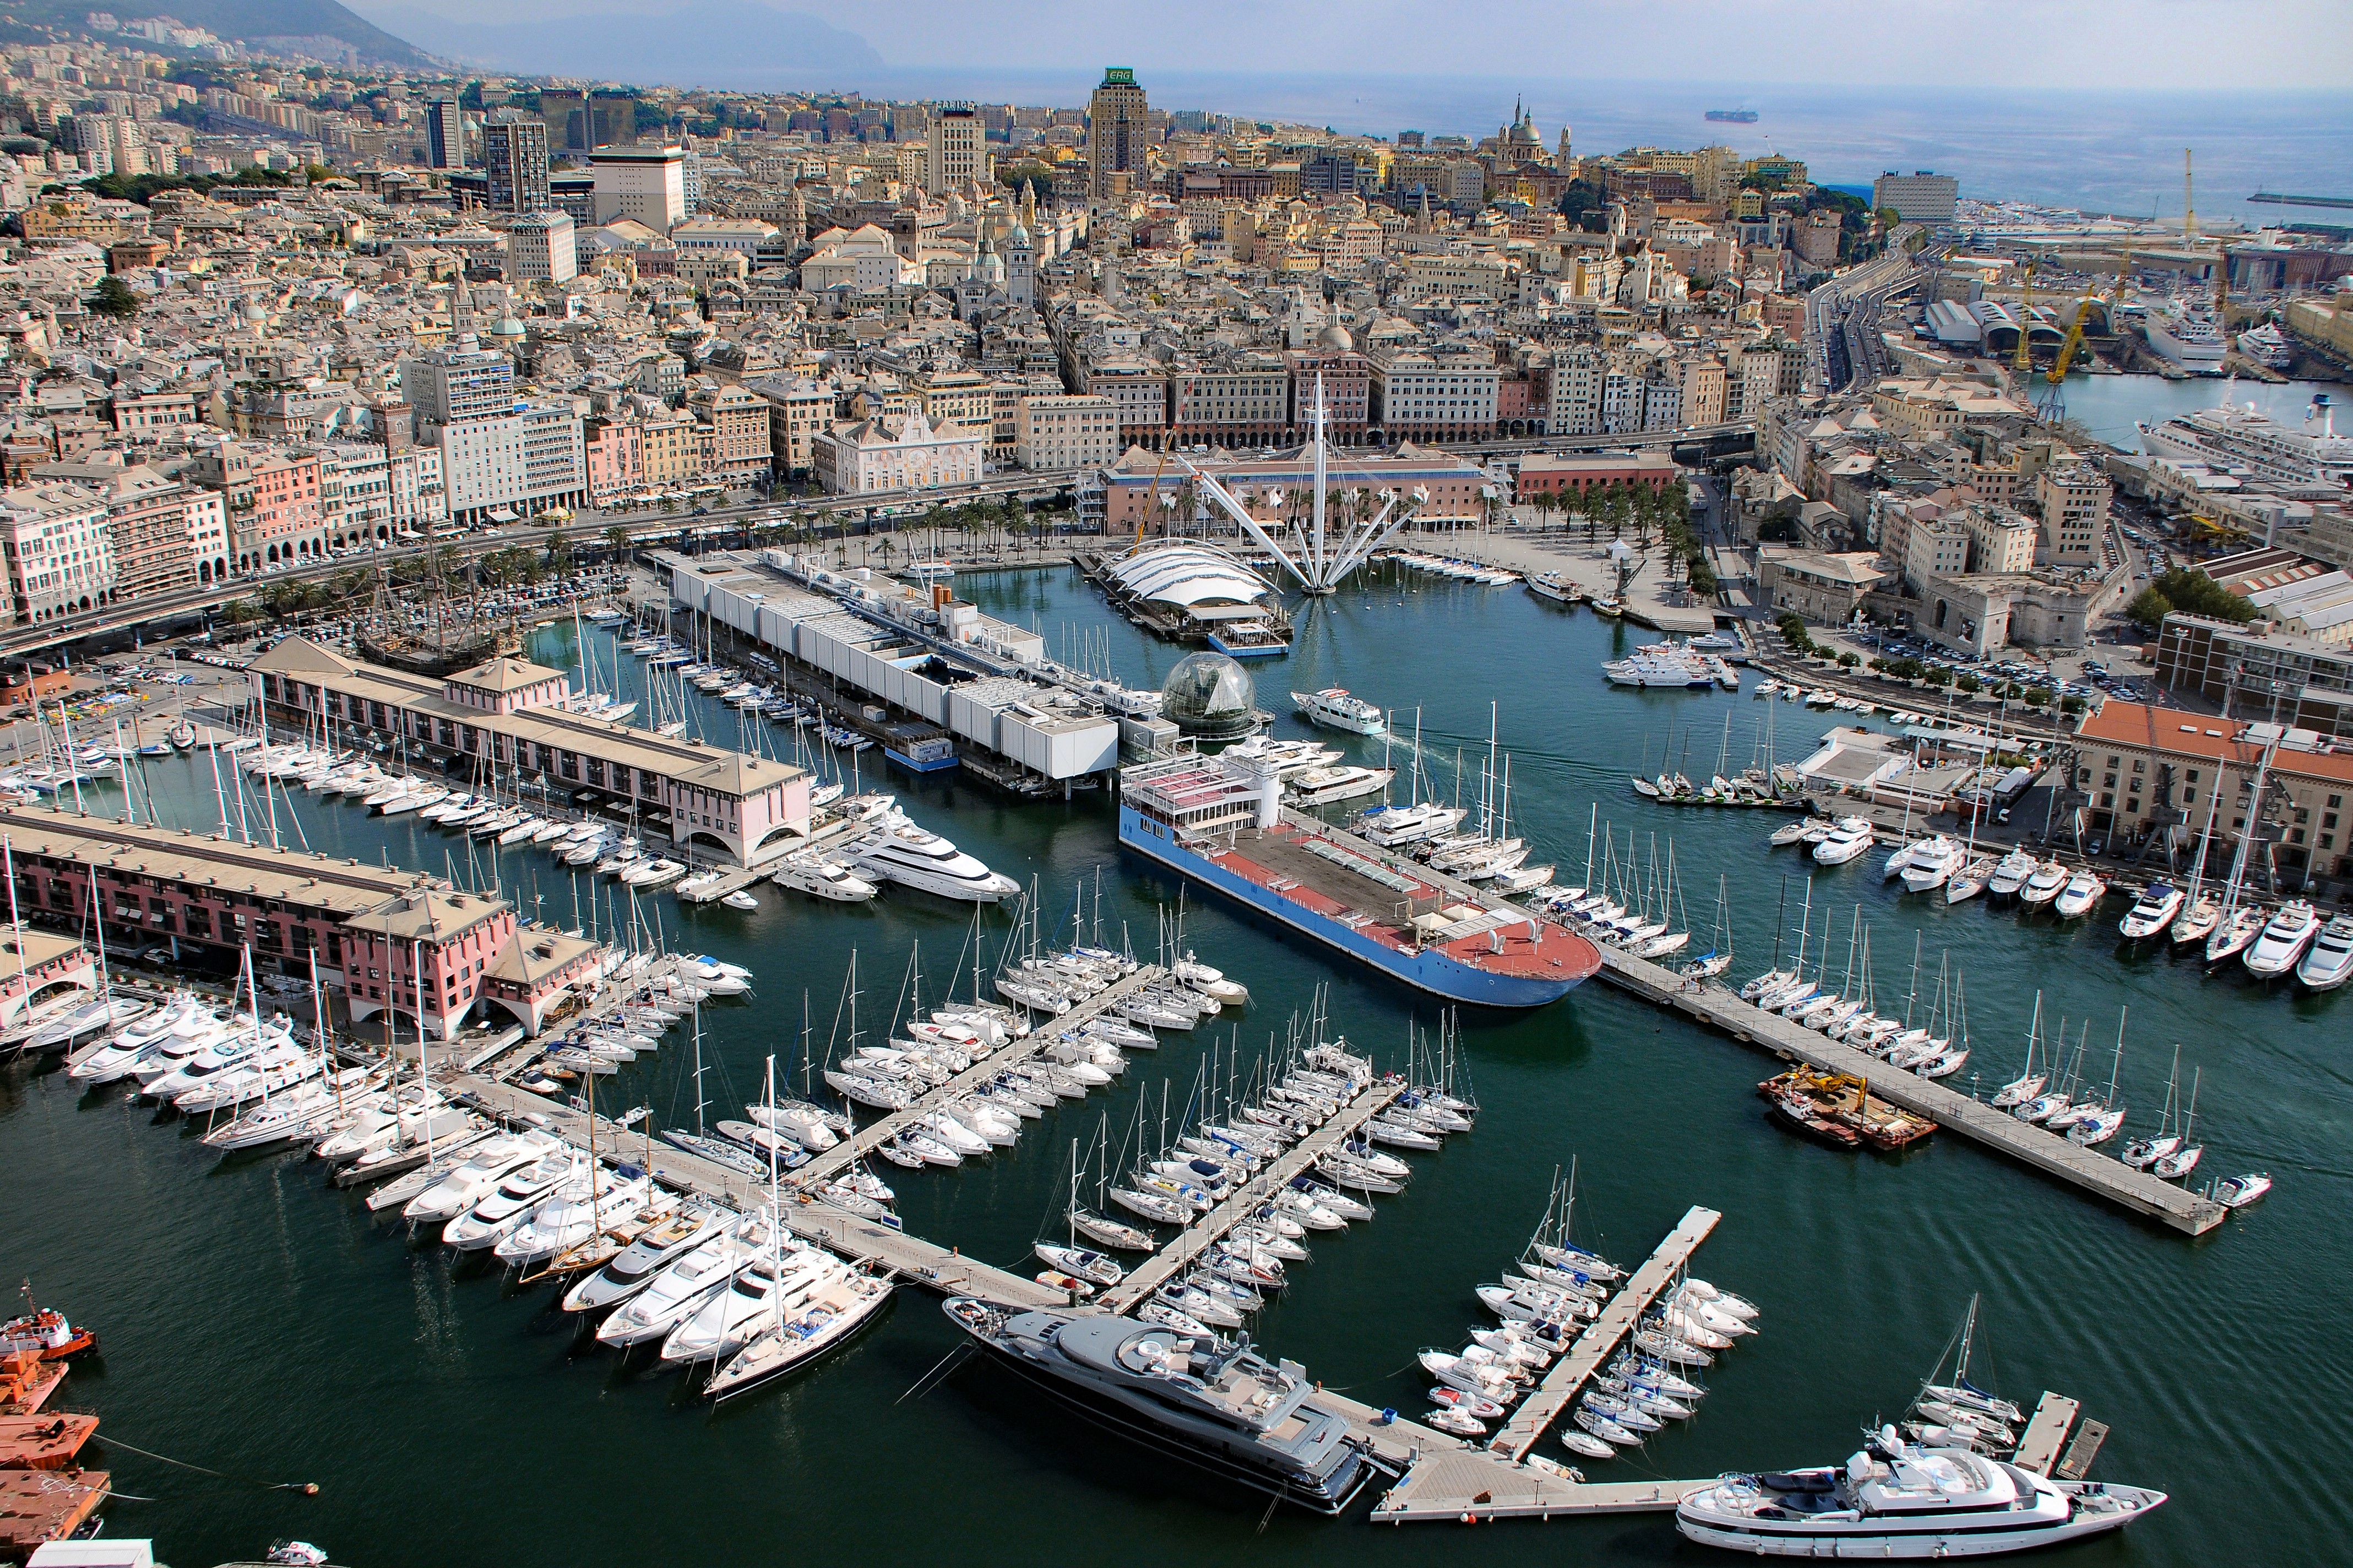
x=829, y=1315
x=681, y=1285
x=2330, y=961
x=824, y=879
x=1389, y=826
x=2284, y=939
x=1334, y=708
x=1285, y=757
x=2044, y=885
x=2082, y=890
x=508, y=1206
x=2010, y=874
x=1328, y=786
x=778, y=1280
x=907, y=854
x=1849, y=840
x=1933, y=864
x=486, y=1164
x=1896, y=1500
x=2153, y=911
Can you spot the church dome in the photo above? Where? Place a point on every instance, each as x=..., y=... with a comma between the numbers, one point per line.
x=1335, y=337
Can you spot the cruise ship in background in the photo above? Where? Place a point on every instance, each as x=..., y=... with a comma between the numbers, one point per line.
x=2188, y=335
x=2268, y=347
x=2241, y=437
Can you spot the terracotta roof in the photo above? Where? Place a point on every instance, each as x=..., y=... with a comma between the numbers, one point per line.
x=2181, y=733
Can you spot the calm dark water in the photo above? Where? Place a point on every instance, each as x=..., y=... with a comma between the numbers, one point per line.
x=261, y=1323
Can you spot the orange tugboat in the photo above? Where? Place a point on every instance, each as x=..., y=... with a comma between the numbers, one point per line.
x=44, y=1331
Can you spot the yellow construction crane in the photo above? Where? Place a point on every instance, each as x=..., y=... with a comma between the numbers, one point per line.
x=2051, y=403
x=2221, y=250
x=2022, y=358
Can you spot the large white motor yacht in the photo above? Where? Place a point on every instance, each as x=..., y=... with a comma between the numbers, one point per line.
x=1894, y=1500
x=905, y=854
x=2285, y=936
x=1334, y=708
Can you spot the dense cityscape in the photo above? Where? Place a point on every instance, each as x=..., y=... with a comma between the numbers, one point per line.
x=796, y=541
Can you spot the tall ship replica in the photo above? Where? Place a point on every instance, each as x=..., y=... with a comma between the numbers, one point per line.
x=2232, y=435
x=1219, y=821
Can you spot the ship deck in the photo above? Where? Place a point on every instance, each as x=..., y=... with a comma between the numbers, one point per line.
x=1383, y=907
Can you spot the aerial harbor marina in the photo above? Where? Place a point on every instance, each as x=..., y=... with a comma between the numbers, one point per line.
x=742, y=823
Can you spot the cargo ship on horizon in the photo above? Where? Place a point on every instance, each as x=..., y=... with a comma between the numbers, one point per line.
x=1221, y=823
x=1733, y=116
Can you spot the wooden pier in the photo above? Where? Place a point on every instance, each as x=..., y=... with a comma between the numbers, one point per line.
x=1550, y=1399
x=1247, y=1199
x=1955, y=1113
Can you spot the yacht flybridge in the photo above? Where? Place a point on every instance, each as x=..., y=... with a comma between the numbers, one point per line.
x=1899, y=1499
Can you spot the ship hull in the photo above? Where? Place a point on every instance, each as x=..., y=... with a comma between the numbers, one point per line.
x=1428, y=970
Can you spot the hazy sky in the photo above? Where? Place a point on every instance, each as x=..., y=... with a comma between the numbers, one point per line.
x=2212, y=44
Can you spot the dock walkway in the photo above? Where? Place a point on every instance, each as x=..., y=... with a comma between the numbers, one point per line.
x=1248, y=1199
x=1550, y=1399
x=1464, y=1485
x=2046, y=1151
x=926, y=1263
x=1013, y=1052
x=1718, y=1006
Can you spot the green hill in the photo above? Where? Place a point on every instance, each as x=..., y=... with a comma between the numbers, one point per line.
x=257, y=21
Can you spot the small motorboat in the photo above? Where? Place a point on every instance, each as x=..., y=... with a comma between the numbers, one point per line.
x=2238, y=1192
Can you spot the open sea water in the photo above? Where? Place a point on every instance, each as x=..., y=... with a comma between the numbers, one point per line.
x=260, y=1323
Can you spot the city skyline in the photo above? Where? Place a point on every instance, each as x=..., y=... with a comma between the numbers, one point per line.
x=2099, y=43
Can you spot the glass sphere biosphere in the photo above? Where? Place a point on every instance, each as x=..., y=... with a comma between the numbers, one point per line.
x=1208, y=695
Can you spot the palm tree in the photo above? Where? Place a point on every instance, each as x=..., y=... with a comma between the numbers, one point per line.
x=617, y=540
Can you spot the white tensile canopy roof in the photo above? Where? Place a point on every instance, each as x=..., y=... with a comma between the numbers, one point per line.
x=1188, y=574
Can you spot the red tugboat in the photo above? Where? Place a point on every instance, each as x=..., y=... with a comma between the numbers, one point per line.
x=44, y=1331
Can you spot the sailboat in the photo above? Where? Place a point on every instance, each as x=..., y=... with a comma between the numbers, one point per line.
x=699, y=1142
x=1718, y=957
x=1067, y=1256
x=1092, y=1223
x=2143, y=1152
x=809, y=1310
x=2029, y=1083
x=1960, y=1412
x=2235, y=926
x=2100, y=1122
x=2183, y=1160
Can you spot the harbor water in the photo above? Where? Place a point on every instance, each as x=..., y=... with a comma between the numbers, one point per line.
x=2110, y=406
x=257, y=1322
